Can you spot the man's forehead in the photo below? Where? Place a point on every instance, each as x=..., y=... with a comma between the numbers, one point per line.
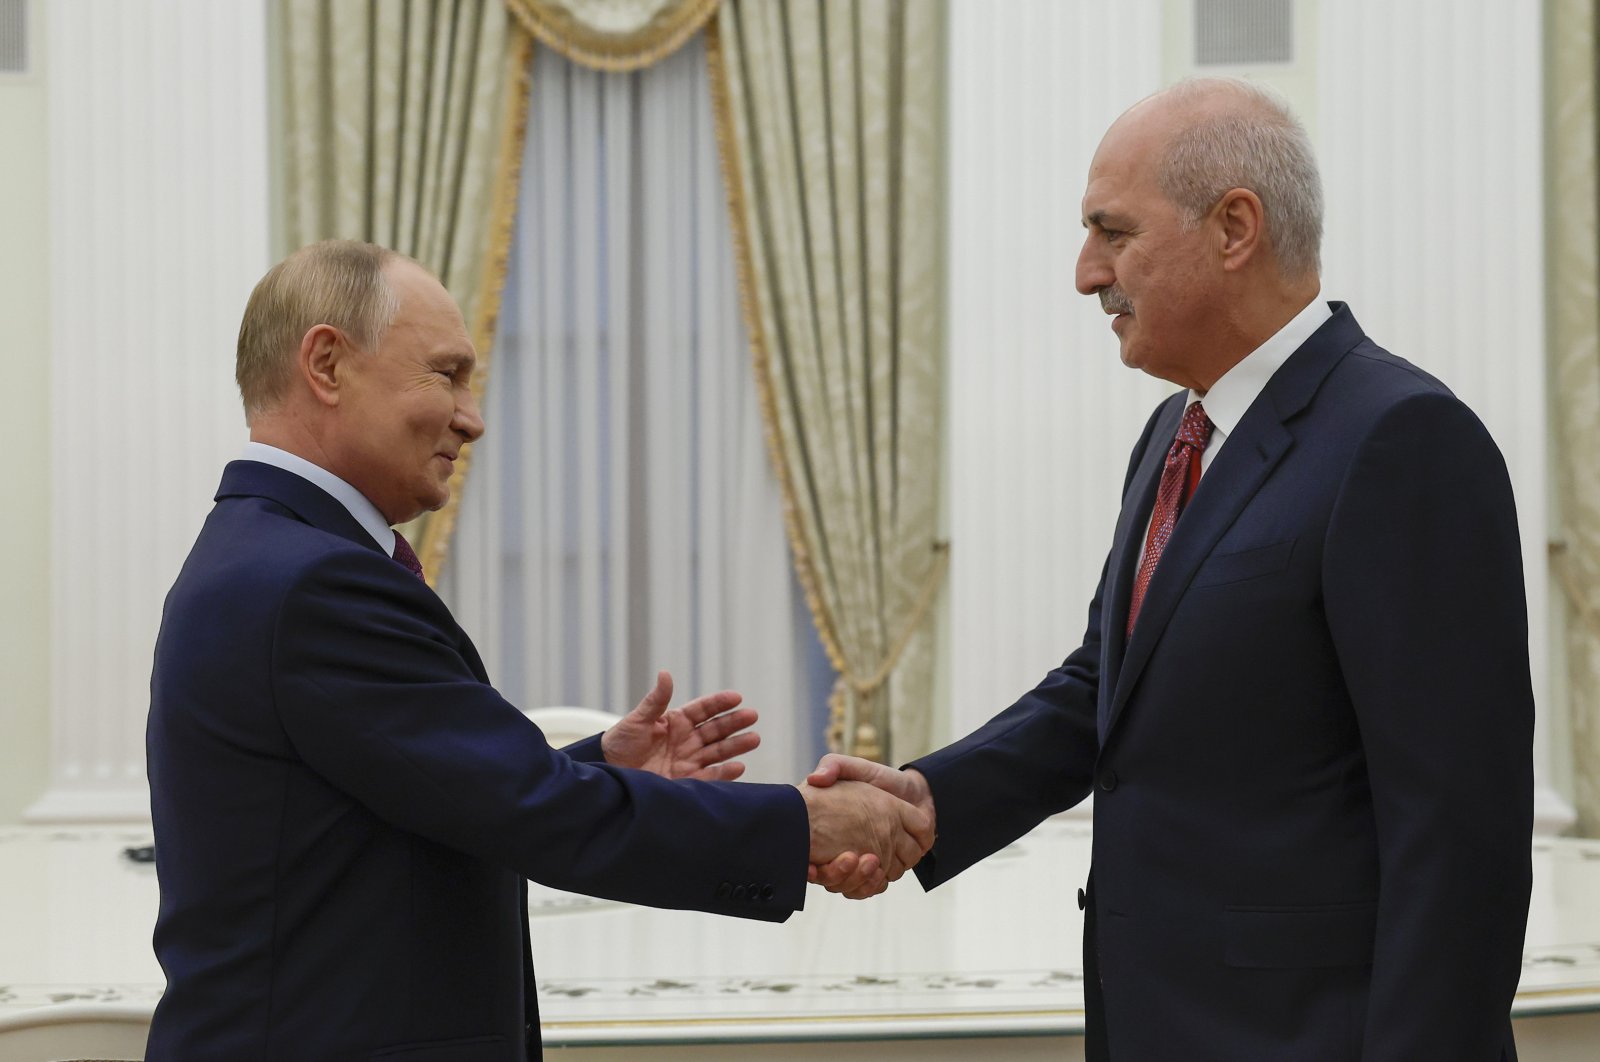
x=423, y=297
x=1122, y=166
x=412, y=282
x=1104, y=193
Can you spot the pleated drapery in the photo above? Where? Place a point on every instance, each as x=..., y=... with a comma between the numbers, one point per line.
x=828, y=114
x=623, y=516
x=1573, y=254
x=402, y=126
x=404, y=123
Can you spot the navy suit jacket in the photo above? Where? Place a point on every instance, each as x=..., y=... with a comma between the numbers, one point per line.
x=1312, y=761
x=346, y=812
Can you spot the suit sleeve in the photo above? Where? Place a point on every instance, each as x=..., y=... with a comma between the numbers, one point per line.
x=377, y=700
x=586, y=750
x=1425, y=602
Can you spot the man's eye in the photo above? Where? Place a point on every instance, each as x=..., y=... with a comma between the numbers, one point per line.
x=1112, y=235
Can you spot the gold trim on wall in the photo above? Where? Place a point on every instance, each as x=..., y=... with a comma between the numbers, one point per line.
x=558, y=28
x=502, y=219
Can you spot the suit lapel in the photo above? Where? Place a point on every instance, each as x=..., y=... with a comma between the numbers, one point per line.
x=1252, y=452
x=1255, y=448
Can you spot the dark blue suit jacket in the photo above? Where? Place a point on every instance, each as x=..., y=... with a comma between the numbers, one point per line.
x=1311, y=763
x=346, y=812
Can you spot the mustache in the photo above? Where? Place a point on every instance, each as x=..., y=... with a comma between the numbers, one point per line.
x=1114, y=300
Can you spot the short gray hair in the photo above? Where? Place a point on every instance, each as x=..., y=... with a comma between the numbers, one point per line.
x=335, y=282
x=1261, y=146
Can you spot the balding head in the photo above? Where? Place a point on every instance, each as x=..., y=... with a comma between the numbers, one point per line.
x=1203, y=212
x=1219, y=134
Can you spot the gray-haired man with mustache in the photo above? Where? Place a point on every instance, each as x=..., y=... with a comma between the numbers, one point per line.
x=1302, y=701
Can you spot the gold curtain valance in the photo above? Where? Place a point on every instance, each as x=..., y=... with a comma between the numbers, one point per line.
x=614, y=35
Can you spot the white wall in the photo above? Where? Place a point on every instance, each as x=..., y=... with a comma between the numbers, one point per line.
x=1041, y=410
x=1433, y=173
x=157, y=231
x=24, y=434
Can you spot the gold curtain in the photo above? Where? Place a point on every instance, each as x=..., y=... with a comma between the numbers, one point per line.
x=828, y=121
x=1574, y=316
x=614, y=35
x=403, y=123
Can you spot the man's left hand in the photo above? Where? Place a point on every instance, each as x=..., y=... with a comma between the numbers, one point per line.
x=700, y=740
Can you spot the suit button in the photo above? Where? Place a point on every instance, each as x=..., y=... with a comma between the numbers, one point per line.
x=767, y=893
x=1108, y=779
x=738, y=892
x=724, y=891
x=1083, y=901
x=753, y=890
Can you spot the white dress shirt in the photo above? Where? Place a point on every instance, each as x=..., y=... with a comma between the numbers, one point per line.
x=1241, y=385
x=366, y=514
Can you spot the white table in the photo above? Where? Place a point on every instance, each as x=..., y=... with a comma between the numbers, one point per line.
x=994, y=954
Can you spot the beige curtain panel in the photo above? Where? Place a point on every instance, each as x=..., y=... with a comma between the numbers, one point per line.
x=1574, y=309
x=402, y=125
x=615, y=35
x=828, y=114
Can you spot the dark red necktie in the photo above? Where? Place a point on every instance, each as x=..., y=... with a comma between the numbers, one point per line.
x=1179, y=477
x=407, y=556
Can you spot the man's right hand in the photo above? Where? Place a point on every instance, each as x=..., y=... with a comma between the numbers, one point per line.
x=858, y=874
x=871, y=835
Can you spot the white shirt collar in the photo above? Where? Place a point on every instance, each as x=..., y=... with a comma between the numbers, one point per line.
x=1241, y=385
x=366, y=514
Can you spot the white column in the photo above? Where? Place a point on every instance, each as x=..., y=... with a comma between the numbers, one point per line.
x=158, y=229
x=1427, y=120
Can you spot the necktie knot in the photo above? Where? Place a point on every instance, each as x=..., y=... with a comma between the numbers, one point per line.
x=1195, y=428
x=407, y=557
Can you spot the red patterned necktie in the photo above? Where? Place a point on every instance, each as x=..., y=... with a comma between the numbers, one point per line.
x=1179, y=477
x=407, y=556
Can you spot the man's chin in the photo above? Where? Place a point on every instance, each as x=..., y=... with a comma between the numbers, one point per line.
x=431, y=504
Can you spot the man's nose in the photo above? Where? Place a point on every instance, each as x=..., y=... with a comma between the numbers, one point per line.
x=1094, y=273
x=467, y=420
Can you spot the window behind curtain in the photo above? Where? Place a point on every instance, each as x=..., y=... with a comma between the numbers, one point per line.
x=621, y=514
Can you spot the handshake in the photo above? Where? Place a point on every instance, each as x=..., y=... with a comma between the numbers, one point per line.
x=869, y=824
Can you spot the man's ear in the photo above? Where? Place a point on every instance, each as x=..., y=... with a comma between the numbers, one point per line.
x=320, y=361
x=1242, y=226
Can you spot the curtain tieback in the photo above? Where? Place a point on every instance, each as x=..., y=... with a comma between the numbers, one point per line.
x=866, y=739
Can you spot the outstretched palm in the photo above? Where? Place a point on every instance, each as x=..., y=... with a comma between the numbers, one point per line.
x=700, y=740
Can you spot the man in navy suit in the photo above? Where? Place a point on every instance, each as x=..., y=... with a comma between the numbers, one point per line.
x=346, y=812
x=1302, y=701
